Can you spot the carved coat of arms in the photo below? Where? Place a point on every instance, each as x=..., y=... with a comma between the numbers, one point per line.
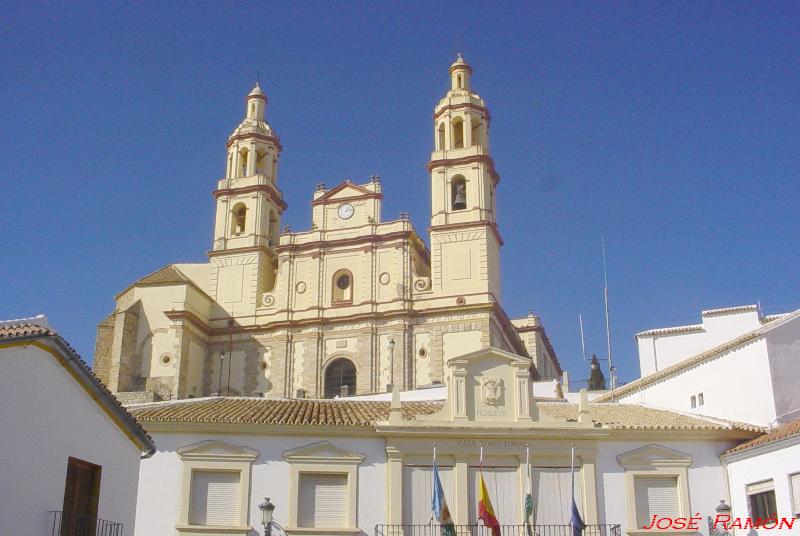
x=492, y=390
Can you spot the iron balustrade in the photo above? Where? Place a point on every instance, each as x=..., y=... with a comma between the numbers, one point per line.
x=71, y=524
x=432, y=529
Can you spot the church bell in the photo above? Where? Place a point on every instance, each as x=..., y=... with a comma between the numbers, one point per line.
x=460, y=199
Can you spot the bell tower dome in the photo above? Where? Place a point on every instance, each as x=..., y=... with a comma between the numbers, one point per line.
x=249, y=206
x=465, y=241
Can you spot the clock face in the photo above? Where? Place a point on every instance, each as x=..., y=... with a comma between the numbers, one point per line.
x=346, y=211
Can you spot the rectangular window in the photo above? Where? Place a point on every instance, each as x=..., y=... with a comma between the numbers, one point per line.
x=215, y=499
x=761, y=498
x=551, y=503
x=795, y=483
x=655, y=495
x=81, y=495
x=323, y=500
x=418, y=492
x=501, y=482
x=693, y=401
x=700, y=400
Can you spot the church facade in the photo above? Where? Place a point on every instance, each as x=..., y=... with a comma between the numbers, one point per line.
x=353, y=305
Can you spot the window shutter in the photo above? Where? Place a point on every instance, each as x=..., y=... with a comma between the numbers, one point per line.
x=418, y=492
x=323, y=501
x=655, y=495
x=551, y=495
x=215, y=499
x=501, y=483
x=795, y=479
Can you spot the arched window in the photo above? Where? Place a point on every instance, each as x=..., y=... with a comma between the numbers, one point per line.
x=243, y=163
x=477, y=130
x=230, y=166
x=340, y=372
x=342, y=287
x=458, y=133
x=261, y=162
x=238, y=219
x=273, y=228
x=458, y=193
x=440, y=137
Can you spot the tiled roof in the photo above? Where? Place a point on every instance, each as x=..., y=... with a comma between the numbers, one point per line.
x=299, y=412
x=784, y=431
x=636, y=417
x=698, y=359
x=29, y=331
x=16, y=331
x=239, y=410
x=167, y=274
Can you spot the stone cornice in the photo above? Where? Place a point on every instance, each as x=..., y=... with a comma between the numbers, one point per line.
x=262, y=137
x=479, y=158
x=466, y=105
x=268, y=189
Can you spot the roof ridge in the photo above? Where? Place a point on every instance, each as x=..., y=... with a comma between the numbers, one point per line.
x=699, y=358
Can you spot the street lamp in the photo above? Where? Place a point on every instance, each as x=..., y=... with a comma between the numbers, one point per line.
x=391, y=365
x=221, y=361
x=267, y=508
x=723, y=509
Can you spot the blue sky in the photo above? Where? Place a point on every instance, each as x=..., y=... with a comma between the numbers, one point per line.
x=671, y=128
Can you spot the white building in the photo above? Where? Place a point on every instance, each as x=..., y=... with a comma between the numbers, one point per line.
x=364, y=467
x=764, y=475
x=737, y=365
x=70, y=453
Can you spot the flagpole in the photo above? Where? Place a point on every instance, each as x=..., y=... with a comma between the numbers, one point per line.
x=572, y=471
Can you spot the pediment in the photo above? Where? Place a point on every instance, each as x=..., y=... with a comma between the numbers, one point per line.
x=322, y=452
x=216, y=450
x=345, y=190
x=490, y=353
x=654, y=456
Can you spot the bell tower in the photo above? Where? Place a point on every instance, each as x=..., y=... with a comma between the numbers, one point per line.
x=465, y=241
x=248, y=211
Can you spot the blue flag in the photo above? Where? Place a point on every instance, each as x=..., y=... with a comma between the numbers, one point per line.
x=575, y=520
x=439, y=506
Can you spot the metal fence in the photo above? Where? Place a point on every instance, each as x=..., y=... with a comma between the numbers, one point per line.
x=505, y=530
x=71, y=524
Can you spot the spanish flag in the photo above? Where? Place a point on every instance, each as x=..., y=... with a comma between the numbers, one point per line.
x=485, y=510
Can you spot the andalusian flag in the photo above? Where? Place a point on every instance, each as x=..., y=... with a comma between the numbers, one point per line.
x=485, y=510
x=439, y=504
x=528, y=506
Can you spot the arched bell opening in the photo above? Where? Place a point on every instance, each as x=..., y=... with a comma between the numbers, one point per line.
x=238, y=219
x=458, y=133
x=342, y=291
x=440, y=137
x=458, y=192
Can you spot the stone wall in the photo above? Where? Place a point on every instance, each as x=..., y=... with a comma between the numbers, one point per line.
x=102, y=348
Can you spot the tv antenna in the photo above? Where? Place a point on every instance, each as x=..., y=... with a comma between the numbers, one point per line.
x=612, y=372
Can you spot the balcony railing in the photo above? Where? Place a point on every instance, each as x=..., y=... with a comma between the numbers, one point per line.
x=506, y=530
x=70, y=524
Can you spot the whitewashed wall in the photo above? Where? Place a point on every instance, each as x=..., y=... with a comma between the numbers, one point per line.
x=660, y=350
x=737, y=385
x=775, y=461
x=706, y=478
x=46, y=417
x=160, y=478
x=783, y=344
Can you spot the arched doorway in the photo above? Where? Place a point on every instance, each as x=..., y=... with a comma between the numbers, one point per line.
x=340, y=372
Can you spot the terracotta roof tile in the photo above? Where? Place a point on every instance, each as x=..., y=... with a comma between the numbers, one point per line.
x=14, y=331
x=293, y=412
x=784, y=431
x=636, y=417
x=167, y=274
x=354, y=413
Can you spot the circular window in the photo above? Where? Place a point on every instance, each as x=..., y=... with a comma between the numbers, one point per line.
x=166, y=359
x=422, y=352
x=343, y=282
x=263, y=365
